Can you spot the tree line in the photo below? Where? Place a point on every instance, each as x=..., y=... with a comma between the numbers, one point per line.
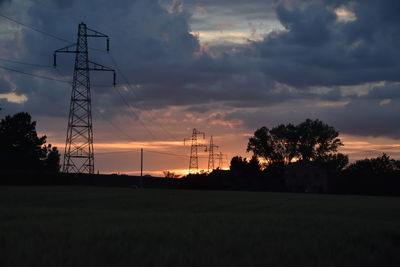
x=307, y=149
x=285, y=158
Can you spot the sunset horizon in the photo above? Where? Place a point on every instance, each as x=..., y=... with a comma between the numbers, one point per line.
x=189, y=64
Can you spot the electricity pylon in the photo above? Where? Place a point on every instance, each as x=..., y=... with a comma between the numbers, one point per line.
x=211, y=154
x=79, y=154
x=194, y=158
x=221, y=158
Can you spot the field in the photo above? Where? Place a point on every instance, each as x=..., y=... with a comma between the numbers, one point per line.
x=94, y=226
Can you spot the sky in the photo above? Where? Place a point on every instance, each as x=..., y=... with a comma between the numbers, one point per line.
x=224, y=67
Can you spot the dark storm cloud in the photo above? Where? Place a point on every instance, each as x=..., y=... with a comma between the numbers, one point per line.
x=145, y=39
x=248, y=17
x=5, y=86
x=157, y=49
x=366, y=118
x=358, y=117
x=385, y=91
x=2, y=2
x=57, y=4
x=256, y=9
x=316, y=49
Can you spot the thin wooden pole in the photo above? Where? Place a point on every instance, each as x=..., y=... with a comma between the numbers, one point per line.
x=141, y=168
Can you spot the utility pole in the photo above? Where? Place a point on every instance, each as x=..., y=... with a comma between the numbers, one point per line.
x=79, y=154
x=194, y=158
x=141, y=162
x=141, y=168
x=211, y=154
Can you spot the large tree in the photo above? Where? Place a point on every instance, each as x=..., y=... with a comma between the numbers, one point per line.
x=275, y=145
x=311, y=140
x=21, y=148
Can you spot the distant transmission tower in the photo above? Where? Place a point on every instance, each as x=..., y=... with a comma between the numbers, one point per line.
x=211, y=154
x=194, y=158
x=79, y=154
x=221, y=158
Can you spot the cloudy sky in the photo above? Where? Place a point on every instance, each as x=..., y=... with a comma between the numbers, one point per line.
x=225, y=67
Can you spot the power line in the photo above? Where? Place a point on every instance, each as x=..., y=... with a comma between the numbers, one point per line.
x=35, y=75
x=63, y=81
x=116, y=152
x=114, y=125
x=68, y=82
x=44, y=32
x=148, y=151
x=25, y=63
x=135, y=95
x=132, y=139
x=44, y=77
x=130, y=108
x=103, y=117
x=64, y=40
x=120, y=94
x=134, y=151
x=38, y=65
x=171, y=154
x=34, y=29
x=166, y=153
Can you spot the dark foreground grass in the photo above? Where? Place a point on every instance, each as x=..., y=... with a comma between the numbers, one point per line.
x=89, y=226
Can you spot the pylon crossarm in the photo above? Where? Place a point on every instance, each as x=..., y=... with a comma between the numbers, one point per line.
x=98, y=67
x=67, y=49
x=205, y=147
x=94, y=33
x=201, y=133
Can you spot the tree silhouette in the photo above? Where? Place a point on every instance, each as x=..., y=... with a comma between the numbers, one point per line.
x=275, y=145
x=311, y=140
x=316, y=140
x=254, y=165
x=376, y=176
x=375, y=166
x=20, y=146
x=169, y=174
x=335, y=161
x=52, y=161
x=242, y=166
x=238, y=164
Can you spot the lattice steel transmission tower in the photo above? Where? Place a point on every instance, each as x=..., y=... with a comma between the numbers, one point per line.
x=211, y=154
x=221, y=158
x=79, y=154
x=194, y=158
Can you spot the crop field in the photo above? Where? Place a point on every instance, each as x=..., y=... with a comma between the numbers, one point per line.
x=97, y=226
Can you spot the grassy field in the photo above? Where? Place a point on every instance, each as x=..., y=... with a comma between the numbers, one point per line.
x=92, y=226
